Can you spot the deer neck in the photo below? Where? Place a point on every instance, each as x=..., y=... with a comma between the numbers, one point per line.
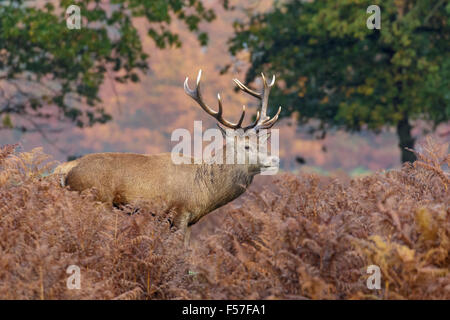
x=222, y=183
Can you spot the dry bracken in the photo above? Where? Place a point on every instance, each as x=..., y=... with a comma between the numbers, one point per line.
x=303, y=237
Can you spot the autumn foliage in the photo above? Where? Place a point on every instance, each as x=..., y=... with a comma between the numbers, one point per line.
x=303, y=237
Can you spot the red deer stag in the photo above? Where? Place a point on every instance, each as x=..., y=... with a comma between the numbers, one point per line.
x=192, y=190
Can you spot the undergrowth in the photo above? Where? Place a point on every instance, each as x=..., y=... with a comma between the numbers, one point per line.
x=306, y=237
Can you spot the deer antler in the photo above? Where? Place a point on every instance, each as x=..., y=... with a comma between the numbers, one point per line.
x=265, y=122
x=262, y=121
x=196, y=95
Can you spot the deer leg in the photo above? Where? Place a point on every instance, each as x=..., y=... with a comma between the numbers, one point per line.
x=187, y=237
x=182, y=223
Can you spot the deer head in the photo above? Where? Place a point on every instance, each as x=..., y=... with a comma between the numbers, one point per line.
x=246, y=141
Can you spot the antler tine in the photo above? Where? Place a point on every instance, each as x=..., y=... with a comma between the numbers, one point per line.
x=265, y=98
x=269, y=123
x=241, y=119
x=263, y=121
x=247, y=89
x=258, y=116
x=196, y=95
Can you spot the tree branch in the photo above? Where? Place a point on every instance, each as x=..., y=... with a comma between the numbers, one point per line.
x=433, y=10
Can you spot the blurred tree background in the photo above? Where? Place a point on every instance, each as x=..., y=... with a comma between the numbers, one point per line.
x=116, y=84
x=334, y=69
x=43, y=63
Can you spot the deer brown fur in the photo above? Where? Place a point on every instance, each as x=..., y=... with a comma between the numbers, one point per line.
x=192, y=190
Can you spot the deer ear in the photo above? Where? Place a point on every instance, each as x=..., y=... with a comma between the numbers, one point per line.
x=222, y=130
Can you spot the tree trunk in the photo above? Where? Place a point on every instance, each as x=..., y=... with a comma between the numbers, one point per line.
x=405, y=139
